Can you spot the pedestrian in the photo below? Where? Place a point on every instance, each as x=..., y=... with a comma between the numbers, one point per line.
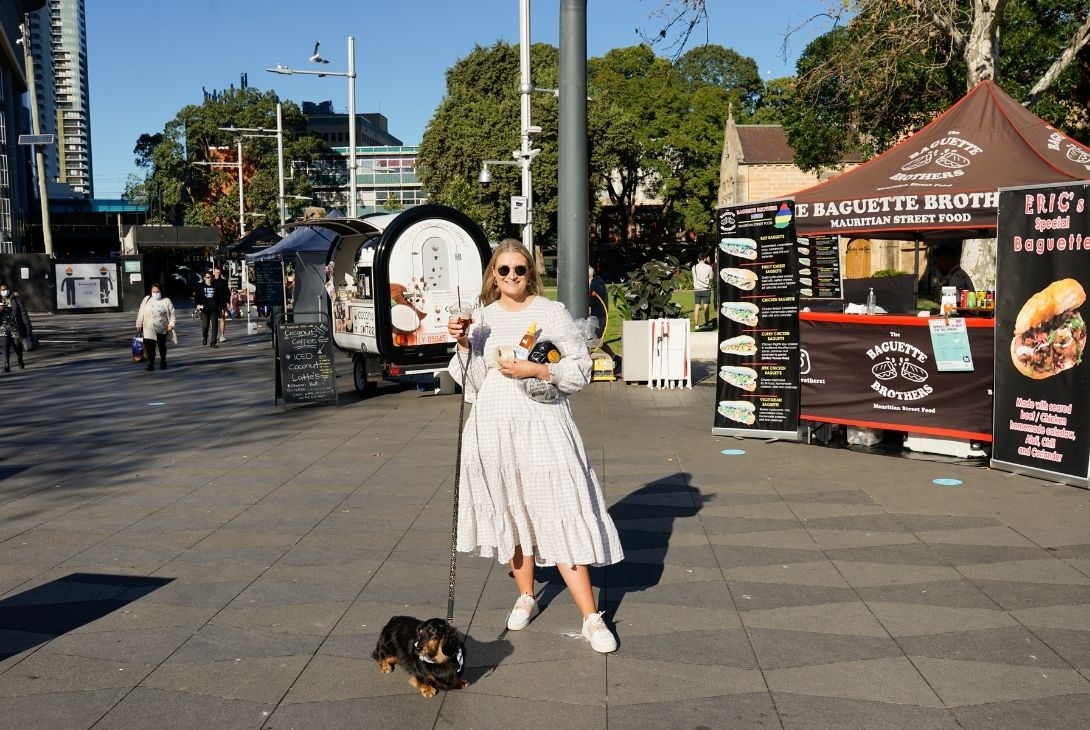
x=702, y=294
x=15, y=325
x=950, y=273
x=530, y=496
x=208, y=302
x=224, y=293
x=155, y=321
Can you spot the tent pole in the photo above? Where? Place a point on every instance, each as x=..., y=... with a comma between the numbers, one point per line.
x=916, y=272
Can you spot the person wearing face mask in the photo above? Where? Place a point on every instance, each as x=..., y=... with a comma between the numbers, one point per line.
x=14, y=326
x=530, y=495
x=155, y=321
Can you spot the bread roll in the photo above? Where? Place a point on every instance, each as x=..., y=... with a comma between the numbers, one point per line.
x=1056, y=298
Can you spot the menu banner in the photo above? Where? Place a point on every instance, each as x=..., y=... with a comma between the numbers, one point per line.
x=757, y=389
x=819, y=268
x=1042, y=379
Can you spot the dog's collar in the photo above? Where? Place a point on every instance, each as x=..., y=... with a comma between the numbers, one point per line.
x=428, y=660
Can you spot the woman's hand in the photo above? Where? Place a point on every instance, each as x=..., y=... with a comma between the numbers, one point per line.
x=458, y=329
x=522, y=369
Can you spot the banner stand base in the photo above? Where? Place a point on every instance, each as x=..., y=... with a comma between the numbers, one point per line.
x=1051, y=476
x=748, y=433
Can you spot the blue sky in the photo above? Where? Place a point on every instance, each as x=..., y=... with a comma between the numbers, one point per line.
x=149, y=58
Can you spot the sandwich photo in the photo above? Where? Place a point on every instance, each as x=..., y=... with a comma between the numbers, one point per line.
x=739, y=377
x=741, y=312
x=806, y=281
x=804, y=251
x=743, y=279
x=737, y=410
x=740, y=345
x=1049, y=333
x=804, y=272
x=743, y=248
x=804, y=261
x=806, y=291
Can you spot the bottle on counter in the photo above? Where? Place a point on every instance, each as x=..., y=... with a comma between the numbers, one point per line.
x=971, y=301
x=963, y=301
x=872, y=301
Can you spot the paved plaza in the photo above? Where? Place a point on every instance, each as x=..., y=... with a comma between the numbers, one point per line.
x=178, y=552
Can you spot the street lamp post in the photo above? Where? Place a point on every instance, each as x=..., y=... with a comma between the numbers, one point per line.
x=269, y=133
x=351, y=76
x=241, y=198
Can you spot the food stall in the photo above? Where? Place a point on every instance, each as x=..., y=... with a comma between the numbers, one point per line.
x=939, y=184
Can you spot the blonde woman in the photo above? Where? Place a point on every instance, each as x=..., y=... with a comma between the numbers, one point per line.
x=529, y=496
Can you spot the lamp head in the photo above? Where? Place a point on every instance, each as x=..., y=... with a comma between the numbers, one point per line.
x=486, y=175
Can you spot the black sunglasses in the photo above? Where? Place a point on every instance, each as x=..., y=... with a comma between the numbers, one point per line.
x=504, y=270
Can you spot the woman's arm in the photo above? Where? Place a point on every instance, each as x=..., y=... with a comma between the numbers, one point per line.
x=572, y=373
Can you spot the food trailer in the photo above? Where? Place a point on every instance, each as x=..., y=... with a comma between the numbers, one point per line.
x=389, y=283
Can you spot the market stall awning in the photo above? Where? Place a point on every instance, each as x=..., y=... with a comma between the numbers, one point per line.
x=943, y=181
x=304, y=238
x=259, y=238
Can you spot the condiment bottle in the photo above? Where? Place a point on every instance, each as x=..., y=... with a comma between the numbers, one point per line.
x=872, y=301
x=527, y=342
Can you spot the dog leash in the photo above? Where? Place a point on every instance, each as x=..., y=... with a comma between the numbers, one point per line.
x=457, y=479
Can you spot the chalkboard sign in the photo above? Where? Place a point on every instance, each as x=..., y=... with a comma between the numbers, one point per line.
x=269, y=283
x=305, y=362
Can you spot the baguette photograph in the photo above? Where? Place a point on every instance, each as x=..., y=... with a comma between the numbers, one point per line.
x=739, y=411
x=739, y=376
x=740, y=345
x=743, y=279
x=743, y=248
x=741, y=312
x=1050, y=333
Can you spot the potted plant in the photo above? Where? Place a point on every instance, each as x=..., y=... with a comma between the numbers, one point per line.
x=646, y=295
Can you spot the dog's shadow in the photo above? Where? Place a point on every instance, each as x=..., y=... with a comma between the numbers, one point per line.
x=482, y=657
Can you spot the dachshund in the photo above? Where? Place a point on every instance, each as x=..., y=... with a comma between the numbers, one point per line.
x=431, y=651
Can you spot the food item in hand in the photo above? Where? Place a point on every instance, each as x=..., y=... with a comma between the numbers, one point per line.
x=1049, y=333
x=743, y=279
x=740, y=377
x=743, y=248
x=737, y=410
x=740, y=345
x=741, y=312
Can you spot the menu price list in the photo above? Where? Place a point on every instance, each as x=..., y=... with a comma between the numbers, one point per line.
x=306, y=363
x=819, y=267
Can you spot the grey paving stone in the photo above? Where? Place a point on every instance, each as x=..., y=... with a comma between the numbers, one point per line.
x=839, y=496
x=1073, y=646
x=147, y=708
x=490, y=712
x=910, y=554
x=1011, y=645
x=738, y=556
x=977, y=682
x=635, y=681
x=894, y=680
x=922, y=522
x=316, y=619
x=271, y=592
x=915, y=619
x=73, y=710
x=804, y=712
x=215, y=643
x=753, y=596
x=1056, y=713
x=778, y=648
x=391, y=711
x=979, y=554
x=735, y=525
x=751, y=710
x=43, y=672
x=1047, y=571
x=953, y=593
x=727, y=647
x=191, y=593
x=865, y=523
x=141, y=646
x=263, y=680
x=1014, y=595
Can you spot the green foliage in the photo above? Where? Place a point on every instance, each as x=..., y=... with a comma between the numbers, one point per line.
x=177, y=191
x=648, y=291
x=886, y=273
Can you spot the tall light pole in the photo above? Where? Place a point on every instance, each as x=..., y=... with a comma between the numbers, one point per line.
x=279, y=134
x=526, y=88
x=35, y=125
x=351, y=75
x=241, y=198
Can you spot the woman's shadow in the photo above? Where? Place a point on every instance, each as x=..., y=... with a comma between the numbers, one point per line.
x=645, y=523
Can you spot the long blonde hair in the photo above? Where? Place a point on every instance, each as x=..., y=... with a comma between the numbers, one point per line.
x=489, y=291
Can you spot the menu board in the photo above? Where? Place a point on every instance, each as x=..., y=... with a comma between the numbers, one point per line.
x=269, y=283
x=1042, y=371
x=757, y=389
x=819, y=268
x=305, y=363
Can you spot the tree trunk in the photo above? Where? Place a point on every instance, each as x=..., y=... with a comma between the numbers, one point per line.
x=978, y=261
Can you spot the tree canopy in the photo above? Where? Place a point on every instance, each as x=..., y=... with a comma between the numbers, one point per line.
x=178, y=191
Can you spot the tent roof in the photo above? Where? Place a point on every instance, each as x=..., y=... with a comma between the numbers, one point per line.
x=302, y=239
x=257, y=239
x=944, y=179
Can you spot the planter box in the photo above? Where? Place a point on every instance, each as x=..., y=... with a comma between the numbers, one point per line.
x=636, y=341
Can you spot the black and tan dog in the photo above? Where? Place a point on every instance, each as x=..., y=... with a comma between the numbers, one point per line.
x=430, y=651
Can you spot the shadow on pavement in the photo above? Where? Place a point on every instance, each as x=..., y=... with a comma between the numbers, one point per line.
x=35, y=616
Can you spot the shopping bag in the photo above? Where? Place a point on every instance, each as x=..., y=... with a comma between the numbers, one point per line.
x=30, y=343
x=137, y=349
x=174, y=336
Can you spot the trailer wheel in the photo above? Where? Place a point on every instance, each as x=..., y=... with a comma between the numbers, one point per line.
x=359, y=378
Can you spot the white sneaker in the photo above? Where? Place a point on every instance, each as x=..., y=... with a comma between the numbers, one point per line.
x=223, y=339
x=524, y=611
x=598, y=634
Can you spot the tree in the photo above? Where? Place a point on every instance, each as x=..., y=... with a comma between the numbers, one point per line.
x=177, y=191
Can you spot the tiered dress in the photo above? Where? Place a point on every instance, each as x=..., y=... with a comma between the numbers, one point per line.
x=525, y=478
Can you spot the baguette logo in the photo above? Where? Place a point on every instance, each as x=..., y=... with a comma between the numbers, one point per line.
x=898, y=370
x=941, y=160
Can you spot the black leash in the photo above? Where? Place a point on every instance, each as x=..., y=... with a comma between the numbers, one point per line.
x=457, y=478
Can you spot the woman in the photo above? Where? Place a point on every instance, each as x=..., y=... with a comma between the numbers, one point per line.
x=14, y=325
x=155, y=320
x=530, y=496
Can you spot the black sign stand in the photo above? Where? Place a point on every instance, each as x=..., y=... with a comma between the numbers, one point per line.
x=305, y=370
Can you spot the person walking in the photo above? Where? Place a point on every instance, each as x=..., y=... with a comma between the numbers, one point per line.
x=15, y=325
x=530, y=495
x=155, y=321
x=702, y=294
x=208, y=301
x=224, y=293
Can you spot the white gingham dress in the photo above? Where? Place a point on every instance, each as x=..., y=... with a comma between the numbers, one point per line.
x=525, y=478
